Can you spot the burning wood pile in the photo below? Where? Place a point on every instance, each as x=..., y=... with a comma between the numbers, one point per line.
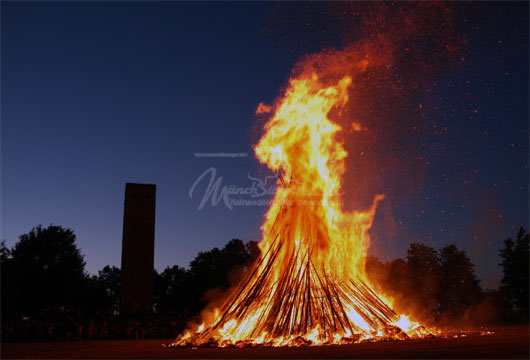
x=308, y=286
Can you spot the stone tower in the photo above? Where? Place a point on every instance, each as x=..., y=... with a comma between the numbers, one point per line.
x=138, y=245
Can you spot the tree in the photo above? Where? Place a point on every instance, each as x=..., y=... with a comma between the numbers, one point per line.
x=515, y=269
x=390, y=278
x=171, y=291
x=423, y=268
x=110, y=279
x=45, y=264
x=7, y=281
x=5, y=254
x=459, y=287
x=218, y=269
x=107, y=286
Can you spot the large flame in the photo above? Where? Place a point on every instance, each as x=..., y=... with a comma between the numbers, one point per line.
x=301, y=143
x=309, y=284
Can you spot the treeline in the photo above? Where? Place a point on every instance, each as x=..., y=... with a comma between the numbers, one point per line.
x=46, y=292
x=440, y=287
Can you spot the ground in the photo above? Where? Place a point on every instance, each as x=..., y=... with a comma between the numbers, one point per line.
x=505, y=343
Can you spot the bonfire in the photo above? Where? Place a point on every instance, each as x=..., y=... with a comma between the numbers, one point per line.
x=308, y=286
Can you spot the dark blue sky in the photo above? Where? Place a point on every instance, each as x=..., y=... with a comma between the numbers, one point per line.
x=95, y=95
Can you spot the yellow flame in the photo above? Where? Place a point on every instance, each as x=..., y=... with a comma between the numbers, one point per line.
x=323, y=246
x=301, y=141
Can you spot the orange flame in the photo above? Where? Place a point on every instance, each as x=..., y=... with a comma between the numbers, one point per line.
x=309, y=285
x=301, y=142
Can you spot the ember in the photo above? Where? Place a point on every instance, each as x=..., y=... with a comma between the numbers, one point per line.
x=309, y=286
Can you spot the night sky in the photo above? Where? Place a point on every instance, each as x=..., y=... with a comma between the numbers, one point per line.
x=95, y=95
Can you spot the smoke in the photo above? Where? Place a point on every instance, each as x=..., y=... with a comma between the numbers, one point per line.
x=397, y=53
x=424, y=295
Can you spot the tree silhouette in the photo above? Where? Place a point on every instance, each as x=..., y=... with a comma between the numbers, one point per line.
x=435, y=286
x=8, y=282
x=515, y=269
x=43, y=274
x=217, y=269
x=171, y=291
x=4, y=252
x=423, y=267
x=45, y=264
x=105, y=288
x=459, y=287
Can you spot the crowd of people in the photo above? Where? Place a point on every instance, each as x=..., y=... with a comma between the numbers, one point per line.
x=74, y=327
